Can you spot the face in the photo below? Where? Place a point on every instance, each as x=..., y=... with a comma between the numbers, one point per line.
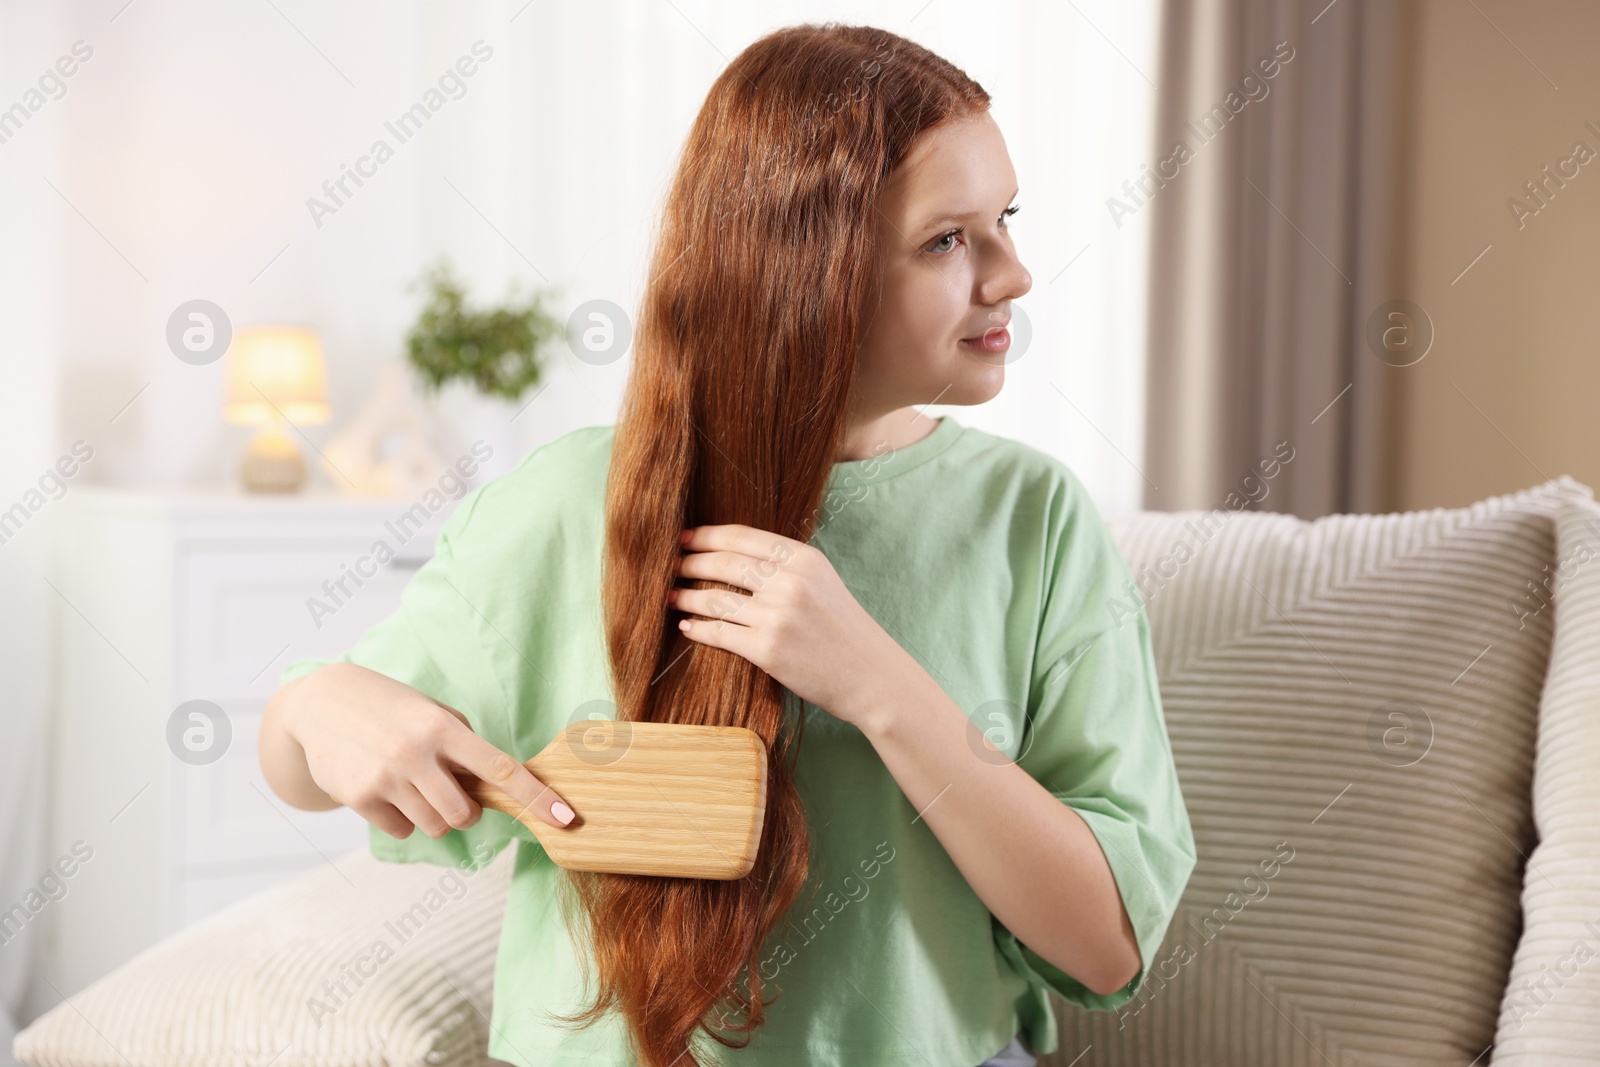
x=947, y=270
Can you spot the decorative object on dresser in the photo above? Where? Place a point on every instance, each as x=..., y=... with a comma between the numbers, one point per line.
x=391, y=447
x=277, y=381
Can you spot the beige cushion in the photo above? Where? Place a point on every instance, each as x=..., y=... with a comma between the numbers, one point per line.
x=1352, y=704
x=1551, y=1011
x=412, y=944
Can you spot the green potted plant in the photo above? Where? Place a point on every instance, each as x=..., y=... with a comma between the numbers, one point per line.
x=497, y=350
x=475, y=364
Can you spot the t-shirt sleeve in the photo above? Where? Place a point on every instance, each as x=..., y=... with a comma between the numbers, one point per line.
x=441, y=643
x=1096, y=737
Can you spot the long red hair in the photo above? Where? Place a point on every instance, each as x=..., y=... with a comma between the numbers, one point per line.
x=763, y=278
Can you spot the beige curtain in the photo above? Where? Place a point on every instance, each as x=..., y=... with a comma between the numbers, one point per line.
x=1272, y=247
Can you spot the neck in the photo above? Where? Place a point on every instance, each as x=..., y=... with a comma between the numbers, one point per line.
x=873, y=435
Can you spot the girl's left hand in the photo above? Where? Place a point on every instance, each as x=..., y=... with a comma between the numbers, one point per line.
x=797, y=621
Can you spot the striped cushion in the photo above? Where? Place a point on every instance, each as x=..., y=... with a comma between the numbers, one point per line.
x=359, y=963
x=1352, y=704
x=1551, y=1011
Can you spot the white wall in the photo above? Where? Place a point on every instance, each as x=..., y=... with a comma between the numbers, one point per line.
x=194, y=136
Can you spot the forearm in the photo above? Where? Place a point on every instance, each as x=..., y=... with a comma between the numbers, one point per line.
x=1032, y=860
x=283, y=761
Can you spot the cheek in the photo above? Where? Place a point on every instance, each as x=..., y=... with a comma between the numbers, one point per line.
x=911, y=337
x=928, y=305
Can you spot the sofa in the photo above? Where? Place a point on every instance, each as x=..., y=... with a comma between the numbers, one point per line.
x=1386, y=729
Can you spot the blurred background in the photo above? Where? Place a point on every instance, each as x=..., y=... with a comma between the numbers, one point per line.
x=280, y=282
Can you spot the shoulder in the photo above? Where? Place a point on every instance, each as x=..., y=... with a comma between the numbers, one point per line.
x=559, y=484
x=1058, y=530
x=1036, y=482
x=574, y=457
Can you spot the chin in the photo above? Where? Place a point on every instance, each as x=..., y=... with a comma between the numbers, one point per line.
x=975, y=384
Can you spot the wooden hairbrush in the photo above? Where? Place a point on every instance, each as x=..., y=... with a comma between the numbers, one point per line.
x=651, y=798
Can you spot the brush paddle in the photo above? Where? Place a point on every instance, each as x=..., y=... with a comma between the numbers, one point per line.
x=651, y=798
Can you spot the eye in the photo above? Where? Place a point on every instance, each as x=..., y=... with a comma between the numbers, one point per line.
x=958, y=231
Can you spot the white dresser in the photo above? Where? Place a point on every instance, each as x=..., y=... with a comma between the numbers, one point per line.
x=167, y=599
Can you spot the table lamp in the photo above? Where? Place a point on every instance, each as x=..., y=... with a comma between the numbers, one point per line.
x=276, y=380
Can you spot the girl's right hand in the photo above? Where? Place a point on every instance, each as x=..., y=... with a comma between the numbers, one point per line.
x=386, y=751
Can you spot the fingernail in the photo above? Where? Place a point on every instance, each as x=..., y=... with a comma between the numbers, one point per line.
x=562, y=812
x=683, y=538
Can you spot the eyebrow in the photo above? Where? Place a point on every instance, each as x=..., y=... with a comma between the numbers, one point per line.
x=940, y=220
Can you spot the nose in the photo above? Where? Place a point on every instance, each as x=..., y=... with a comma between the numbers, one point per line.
x=1007, y=281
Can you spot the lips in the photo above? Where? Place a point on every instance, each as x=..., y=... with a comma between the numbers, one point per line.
x=994, y=339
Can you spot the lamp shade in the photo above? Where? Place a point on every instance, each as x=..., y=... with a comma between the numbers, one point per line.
x=276, y=370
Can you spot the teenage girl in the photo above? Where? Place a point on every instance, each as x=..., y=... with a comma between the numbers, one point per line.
x=972, y=802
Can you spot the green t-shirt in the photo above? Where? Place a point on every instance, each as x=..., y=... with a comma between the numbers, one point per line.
x=988, y=562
